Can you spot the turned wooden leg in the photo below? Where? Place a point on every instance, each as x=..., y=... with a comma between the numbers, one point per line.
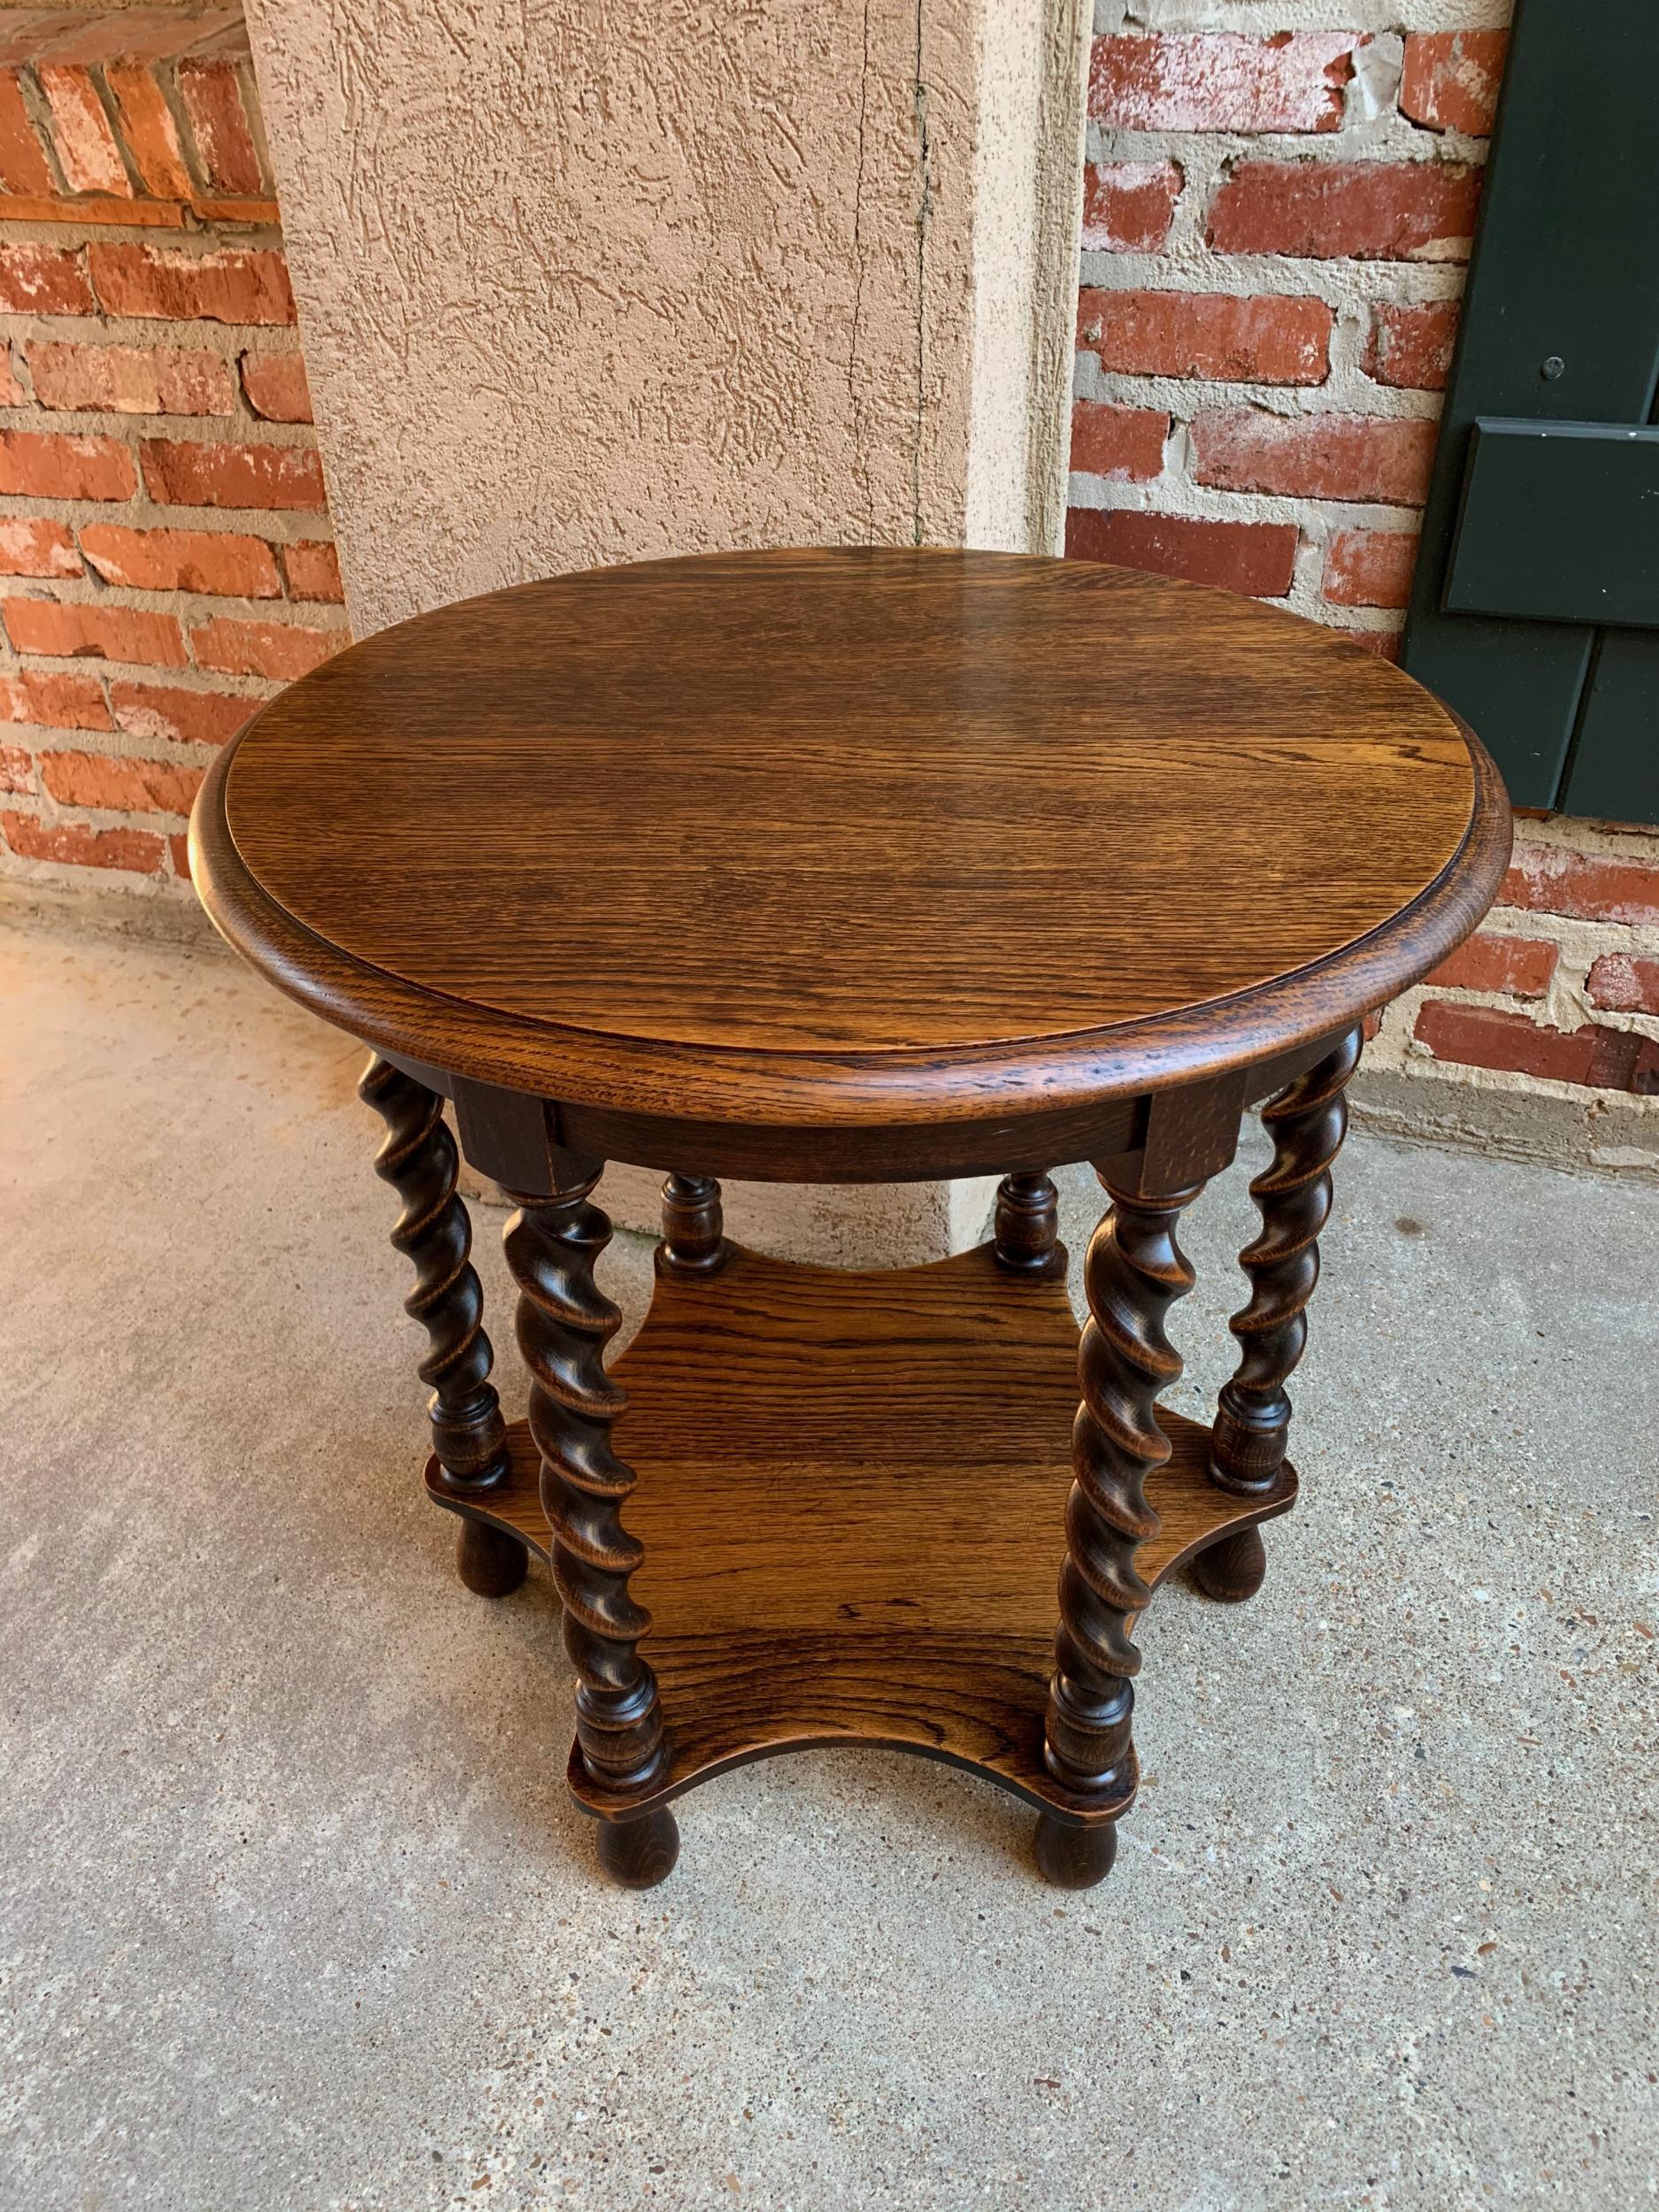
x=1027, y=1226
x=1134, y=1272
x=639, y=1854
x=565, y=1323
x=692, y=1240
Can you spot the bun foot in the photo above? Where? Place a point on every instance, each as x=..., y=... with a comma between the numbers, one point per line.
x=639, y=1854
x=1074, y=1858
x=488, y=1561
x=1232, y=1570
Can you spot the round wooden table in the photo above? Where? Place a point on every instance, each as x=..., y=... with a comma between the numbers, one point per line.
x=854, y=865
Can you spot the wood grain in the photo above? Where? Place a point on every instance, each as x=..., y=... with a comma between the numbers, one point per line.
x=852, y=1514
x=801, y=878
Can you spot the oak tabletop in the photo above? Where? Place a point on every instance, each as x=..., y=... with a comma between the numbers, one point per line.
x=781, y=832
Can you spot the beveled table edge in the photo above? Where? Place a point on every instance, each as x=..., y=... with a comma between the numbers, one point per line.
x=836, y=1091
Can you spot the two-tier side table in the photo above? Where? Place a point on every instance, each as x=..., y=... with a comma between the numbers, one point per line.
x=854, y=866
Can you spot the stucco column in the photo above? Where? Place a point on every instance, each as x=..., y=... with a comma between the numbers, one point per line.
x=582, y=284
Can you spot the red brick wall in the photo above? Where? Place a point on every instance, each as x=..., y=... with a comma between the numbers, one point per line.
x=166, y=555
x=1275, y=233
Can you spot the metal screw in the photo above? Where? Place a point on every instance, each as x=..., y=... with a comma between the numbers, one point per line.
x=1552, y=368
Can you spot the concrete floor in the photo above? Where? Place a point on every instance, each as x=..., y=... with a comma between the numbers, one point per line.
x=296, y=1915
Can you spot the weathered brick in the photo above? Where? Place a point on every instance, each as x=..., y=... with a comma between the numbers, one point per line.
x=1487, y=1037
x=1411, y=347
x=211, y=92
x=222, y=562
x=59, y=465
x=1378, y=459
x=170, y=713
x=33, y=546
x=54, y=699
x=1384, y=643
x=17, y=769
x=133, y=380
x=100, y=632
x=1520, y=967
x=32, y=839
x=191, y=473
x=151, y=135
x=1624, y=983
x=44, y=280
x=280, y=649
x=276, y=387
x=237, y=284
x=11, y=393
x=125, y=787
x=1365, y=568
x=1588, y=886
x=1221, y=81
x=1270, y=341
x=1367, y=211
x=313, y=569
x=153, y=33
x=1124, y=443
x=23, y=164
x=86, y=148
x=1451, y=80
x=1257, y=558
x=1129, y=205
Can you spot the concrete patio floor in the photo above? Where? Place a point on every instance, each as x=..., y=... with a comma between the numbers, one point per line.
x=295, y=1914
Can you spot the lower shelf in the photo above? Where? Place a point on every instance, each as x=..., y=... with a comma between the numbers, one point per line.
x=851, y=1502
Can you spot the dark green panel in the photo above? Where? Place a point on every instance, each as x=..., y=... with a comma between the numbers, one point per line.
x=1560, y=524
x=1566, y=270
x=1614, y=772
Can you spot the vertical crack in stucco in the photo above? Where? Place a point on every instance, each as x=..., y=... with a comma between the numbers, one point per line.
x=924, y=213
x=861, y=442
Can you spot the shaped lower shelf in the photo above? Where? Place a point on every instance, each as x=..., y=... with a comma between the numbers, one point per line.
x=851, y=1498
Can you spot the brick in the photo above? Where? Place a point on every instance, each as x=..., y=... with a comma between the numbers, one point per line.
x=313, y=570
x=125, y=787
x=150, y=34
x=33, y=546
x=1257, y=558
x=31, y=839
x=1364, y=211
x=1451, y=80
x=279, y=649
x=213, y=561
x=1384, y=643
x=238, y=284
x=1487, y=1037
x=1410, y=348
x=44, y=280
x=151, y=135
x=132, y=380
x=168, y=713
x=1586, y=886
x=59, y=465
x=276, y=387
x=17, y=769
x=101, y=632
x=11, y=393
x=1221, y=81
x=1365, y=568
x=85, y=144
x=200, y=474
x=1123, y=444
x=1129, y=205
x=1520, y=967
x=1269, y=340
x=1624, y=983
x=1377, y=458
x=54, y=699
x=210, y=90
x=23, y=164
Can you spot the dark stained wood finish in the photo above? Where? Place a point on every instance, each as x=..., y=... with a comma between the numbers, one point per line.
x=852, y=1521
x=1231, y=1570
x=639, y=1854
x=857, y=920
x=1293, y=1194
x=1072, y=1857
x=1026, y=1234
x=692, y=1243
x=565, y=1323
x=418, y=1159
x=490, y=1563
